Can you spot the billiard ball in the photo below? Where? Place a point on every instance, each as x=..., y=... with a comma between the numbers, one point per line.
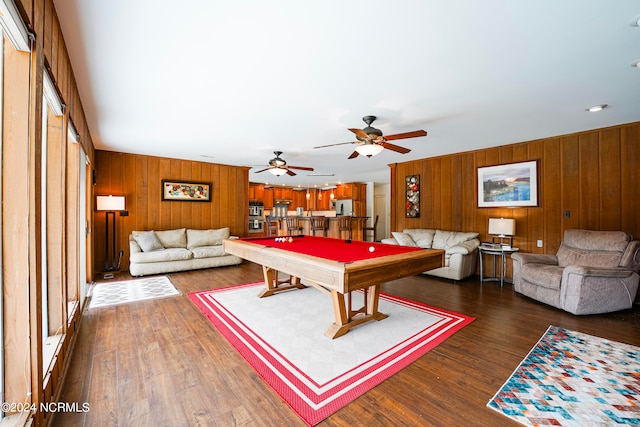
x=371, y=249
x=290, y=239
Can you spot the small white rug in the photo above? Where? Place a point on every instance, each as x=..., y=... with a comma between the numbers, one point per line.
x=112, y=293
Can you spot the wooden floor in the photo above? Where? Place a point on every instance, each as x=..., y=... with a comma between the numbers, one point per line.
x=160, y=363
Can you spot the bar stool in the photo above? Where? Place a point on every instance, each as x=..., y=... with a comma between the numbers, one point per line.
x=319, y=223
x=373, y=229
x=273, y=225
x=344, y=224
x=294, y=226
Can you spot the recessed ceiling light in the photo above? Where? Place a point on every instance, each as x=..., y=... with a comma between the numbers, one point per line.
x=636, y=63
x=595, y=108
x=635, y=22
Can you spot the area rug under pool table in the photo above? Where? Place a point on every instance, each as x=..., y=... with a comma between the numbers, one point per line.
x=282, y=338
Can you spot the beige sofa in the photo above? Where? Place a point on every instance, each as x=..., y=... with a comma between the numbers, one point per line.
x=461, y=249
x=155, y=252
x=592, y=272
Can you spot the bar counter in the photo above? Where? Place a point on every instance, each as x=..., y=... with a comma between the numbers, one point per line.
x=357, y=224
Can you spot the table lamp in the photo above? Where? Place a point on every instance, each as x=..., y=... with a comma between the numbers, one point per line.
x=504, y=228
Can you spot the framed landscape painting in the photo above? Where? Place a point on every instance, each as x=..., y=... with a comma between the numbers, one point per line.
x=508, y=185
x=186, y=191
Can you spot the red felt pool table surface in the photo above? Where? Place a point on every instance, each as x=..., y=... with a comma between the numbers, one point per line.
x=333, y=249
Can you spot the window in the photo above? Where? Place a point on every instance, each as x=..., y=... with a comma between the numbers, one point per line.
x=52, y=223
x=15, y=353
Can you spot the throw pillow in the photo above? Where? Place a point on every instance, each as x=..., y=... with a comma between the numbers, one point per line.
x=200, y=238
x=422, y=236
x=446, y=239
x=173, y=238
x=148, y=241
x=403, y=239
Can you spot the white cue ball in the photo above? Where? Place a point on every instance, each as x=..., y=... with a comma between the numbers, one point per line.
x=371, y=249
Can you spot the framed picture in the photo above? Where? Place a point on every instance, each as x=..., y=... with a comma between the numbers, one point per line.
x=186, y=191
x=508, y=185
x=412, y=191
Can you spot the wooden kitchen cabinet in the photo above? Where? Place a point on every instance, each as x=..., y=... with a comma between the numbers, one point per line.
x=283, y=193
x=352, y=190
x=256, y=192
x=359, y=208
x=323, y=200
x=268, y=198
x=299, y=199
x=343, y=191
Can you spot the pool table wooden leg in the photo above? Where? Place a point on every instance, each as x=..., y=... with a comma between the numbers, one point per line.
x=346, y=318
x=273, y=285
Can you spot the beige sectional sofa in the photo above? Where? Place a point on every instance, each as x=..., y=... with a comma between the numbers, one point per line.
x=461, y=249
x=155, y=252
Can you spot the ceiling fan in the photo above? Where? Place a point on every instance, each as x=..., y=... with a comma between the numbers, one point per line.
x=370, y=140
x=277, y=166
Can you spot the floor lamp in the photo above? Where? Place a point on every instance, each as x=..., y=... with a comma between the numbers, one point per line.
x=110, y=204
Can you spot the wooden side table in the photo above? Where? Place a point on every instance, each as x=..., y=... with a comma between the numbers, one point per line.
x=495, y=252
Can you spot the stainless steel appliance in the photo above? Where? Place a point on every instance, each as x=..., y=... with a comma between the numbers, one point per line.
x=344, y=207
x=256, y=225
x=256, y=209
x=256, y=217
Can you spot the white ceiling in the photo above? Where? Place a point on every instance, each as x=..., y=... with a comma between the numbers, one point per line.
x=231, y=81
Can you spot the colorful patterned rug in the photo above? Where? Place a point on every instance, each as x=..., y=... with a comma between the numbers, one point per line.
x=573, y=379
x=113, y=293
x=282, y=338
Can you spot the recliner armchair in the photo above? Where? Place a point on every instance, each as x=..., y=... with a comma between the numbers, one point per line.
x=592, y=272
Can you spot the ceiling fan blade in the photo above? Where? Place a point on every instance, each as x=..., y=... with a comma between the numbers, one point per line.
x=395, y=148
x=301, y=168
x=290, y=172
x=414, y=134
x=360, y=134
x=266, y=169
x=353, y=155
x=341, y=143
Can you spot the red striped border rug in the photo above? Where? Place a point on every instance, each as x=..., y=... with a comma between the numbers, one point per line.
x=282, y=338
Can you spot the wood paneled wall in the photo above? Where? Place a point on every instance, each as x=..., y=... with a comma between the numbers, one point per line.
x=139, y=179
x=594, y=175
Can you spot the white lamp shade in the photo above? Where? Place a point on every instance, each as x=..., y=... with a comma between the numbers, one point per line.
x=278, y=171
x=502, y=226
x=110, y=203
x=369, y=149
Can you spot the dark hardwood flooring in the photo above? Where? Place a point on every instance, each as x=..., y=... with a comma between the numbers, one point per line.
x=161, y=363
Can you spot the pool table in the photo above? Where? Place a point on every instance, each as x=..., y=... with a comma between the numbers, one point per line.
x=336, y=267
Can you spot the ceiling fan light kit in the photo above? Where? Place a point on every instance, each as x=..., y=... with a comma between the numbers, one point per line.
x=278, y=167
x=369, y=149
x=370, y=141
x=278, y=171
